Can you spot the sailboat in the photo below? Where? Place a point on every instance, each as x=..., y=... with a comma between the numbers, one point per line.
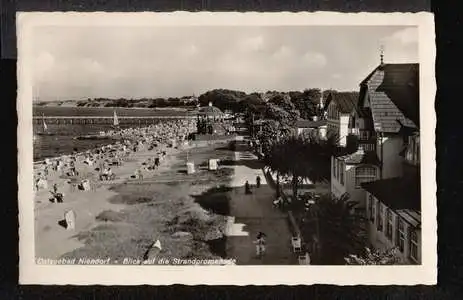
x=115, y=120
x=44, y=128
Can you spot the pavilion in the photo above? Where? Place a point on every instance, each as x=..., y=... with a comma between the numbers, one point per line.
x=208, y=118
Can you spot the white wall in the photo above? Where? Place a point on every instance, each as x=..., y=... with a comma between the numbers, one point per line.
x=356, y=194
x=343, y=129
x=392, y=161
x=337, y=189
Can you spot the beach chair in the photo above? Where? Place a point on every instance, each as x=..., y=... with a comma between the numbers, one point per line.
x=296, y=243
x=304, y=259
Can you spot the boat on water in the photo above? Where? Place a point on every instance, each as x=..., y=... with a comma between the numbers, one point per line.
x=115, y=121
x=44, y=129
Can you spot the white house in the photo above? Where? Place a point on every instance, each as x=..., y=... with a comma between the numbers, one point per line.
x=387, y=103
x=394, y=208
x=386, y=124
x=318, y=126
x=350, y=171
x=338, y=109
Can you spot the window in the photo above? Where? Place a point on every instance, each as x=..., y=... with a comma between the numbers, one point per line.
x=341, y=172
x=364, y=174
x=389, y=225
x=379, y=216
x=414, y=245
x=371, y=208
x=364, y=135
x=400, y=235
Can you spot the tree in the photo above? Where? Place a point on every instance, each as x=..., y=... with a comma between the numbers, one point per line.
x=306, y=102
x=273, y=156
x=268, y=135
x=339, y=230
x=291, y=155
x=286, y=119
x=300, y=157
x=223, y=99
x=375, y=257
x=283, y=101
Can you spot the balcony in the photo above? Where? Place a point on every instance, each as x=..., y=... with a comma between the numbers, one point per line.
x=366, y=139
x=367, y=144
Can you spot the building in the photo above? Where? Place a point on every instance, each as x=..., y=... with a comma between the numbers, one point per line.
x=209, y=119
x=387, y=109
x=318, y=126
x=394, y=207
x=338, y=109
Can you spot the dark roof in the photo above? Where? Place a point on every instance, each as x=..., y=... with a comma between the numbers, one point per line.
x=361, y=157
x=396, y=193
x=209, y=110
x=393, y=90
x=310, y=124
x=345, y=101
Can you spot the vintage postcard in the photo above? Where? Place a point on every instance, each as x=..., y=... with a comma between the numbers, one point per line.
x=226, y=148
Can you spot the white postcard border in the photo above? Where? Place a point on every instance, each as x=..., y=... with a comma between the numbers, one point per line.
x=31, y=273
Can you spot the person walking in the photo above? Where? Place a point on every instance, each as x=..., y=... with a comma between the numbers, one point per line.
x=247, y=188
x=260, y=244
x=258, y=181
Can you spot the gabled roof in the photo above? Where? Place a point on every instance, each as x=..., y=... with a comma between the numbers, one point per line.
x=345, y=101
x=397, y=193
x=310, y=124
x=393, y=90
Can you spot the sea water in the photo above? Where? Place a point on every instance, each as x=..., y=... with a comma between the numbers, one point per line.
x=63, y=140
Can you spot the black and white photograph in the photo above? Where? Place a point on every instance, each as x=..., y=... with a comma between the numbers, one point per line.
x=155, y=141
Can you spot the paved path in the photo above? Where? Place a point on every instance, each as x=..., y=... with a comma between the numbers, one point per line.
x=253, y=213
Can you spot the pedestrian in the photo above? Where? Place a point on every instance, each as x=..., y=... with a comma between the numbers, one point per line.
x=247, y=188
x=258, y=181
x=260, y=243
x=55, y=188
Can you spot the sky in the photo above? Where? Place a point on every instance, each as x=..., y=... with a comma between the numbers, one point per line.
x=72, y=63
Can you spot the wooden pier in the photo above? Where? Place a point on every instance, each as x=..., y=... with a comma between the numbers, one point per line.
x=84, y=120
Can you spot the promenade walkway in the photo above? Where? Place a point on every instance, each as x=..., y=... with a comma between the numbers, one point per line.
x=253, y=213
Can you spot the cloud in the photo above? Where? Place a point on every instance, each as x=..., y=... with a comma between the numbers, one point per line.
x=314, y=59
x=189, y=51
x=43, y=63
x=284, y=52
x=88, y=62
x=255, y=43
x=404, y=36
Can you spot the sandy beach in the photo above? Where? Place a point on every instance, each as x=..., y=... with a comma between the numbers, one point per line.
x=121, y=218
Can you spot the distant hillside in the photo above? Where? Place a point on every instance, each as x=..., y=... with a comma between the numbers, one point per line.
x=303, y=103
x=121, y=102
